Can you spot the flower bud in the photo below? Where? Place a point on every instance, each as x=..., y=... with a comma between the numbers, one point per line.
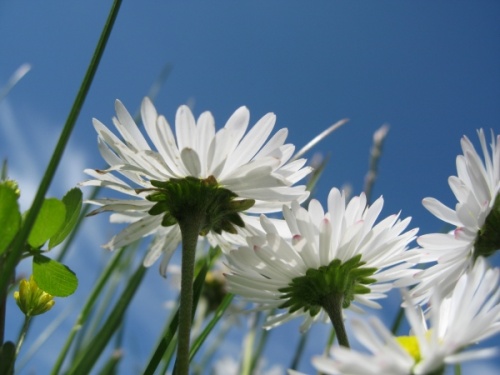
x=31, y=299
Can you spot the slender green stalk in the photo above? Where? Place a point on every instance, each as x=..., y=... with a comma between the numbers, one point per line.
x=87, y=359
x=218, y=314
x=333, y=307
x=190, y=228
x=169, y=332
x=299, y=351
x=3, y=305
x=22, y=334
x=398, y=320
x=264, y=334
x=248, y=349
x=17, y=248
x=89, y=304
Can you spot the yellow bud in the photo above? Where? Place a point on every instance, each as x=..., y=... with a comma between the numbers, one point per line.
x=31, y=299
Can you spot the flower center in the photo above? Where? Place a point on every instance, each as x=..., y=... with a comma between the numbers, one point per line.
x=410, y=344
x=317, y=287
x=488, y=237
x=179, y=199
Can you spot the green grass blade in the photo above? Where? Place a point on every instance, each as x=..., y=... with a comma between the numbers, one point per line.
x=89, y=357
x=18, y=245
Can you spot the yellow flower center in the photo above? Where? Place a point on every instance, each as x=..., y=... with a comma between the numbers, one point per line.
x=410, y=344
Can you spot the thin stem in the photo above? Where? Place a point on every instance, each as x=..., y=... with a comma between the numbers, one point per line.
x=333, y=307
x=87, y=308
x=22, y=334
x=3, y=306
x=190, y=228
x=398, y=320
x=17, y=247
x=299, y=351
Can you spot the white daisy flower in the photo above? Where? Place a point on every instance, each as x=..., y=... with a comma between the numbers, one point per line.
x=249, y=167
x=471, y=313
x=476, y=218
x=341, y=253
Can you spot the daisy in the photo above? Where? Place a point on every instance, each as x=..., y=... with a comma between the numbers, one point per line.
x=476, y=218
x=247, y=173
x=471, y=313
x=336, y=260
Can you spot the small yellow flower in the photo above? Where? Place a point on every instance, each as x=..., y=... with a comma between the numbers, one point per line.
x=31, y=299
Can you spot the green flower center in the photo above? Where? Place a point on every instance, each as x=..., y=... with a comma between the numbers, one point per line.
x=317, y=287
x=178, y=199
x=488, y=237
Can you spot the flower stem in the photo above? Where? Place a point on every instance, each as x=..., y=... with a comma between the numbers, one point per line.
x=190, y=228
x=333, y=306
x=22, y=334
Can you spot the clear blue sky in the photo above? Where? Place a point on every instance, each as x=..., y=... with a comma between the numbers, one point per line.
x=430, y=69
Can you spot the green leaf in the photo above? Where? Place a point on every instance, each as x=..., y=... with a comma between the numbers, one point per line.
x=10, y=217
x=49, y=220
x=53, y=277
x=73, y=203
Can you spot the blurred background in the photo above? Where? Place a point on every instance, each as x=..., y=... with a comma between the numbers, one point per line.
x=430, y=70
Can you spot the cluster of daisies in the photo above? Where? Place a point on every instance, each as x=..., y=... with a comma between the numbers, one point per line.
x=316, y=261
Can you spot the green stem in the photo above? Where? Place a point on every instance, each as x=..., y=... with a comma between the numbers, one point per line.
x=190, y=228
x=299, y=351
x=398, y=320
x=3, y=304
x=332, y=304
x=217, y=316
x=87, y=308
x=17, y=247
x=22, y=334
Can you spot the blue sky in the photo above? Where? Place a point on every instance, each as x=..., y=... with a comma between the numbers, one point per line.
x=431, y=70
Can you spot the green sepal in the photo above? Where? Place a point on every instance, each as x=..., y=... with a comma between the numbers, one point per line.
x=179, y=199
x=10, y=217
x=488, y=237
x=158, y=208
x=168, y=220
x=53, y=277
x=309, y=292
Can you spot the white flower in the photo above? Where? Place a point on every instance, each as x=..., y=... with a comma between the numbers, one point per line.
x=476, y=187
x=470, y=314
x=262, y=270
x=250, y=165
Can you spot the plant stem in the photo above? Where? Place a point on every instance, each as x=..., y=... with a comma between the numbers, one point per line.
x=333, y=306
x=190, y=228
x=22, y=334
x=3, y=304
